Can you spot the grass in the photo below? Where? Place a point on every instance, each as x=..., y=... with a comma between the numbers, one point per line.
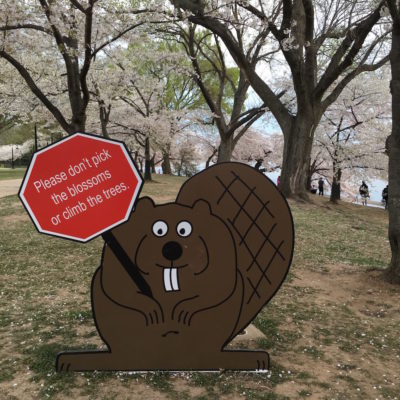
x=9, y=173
x=312, y=326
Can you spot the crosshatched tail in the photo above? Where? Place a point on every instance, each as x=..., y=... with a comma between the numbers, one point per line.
x=260, y=220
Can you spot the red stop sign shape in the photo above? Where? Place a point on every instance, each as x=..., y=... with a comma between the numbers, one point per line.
x=80, y=187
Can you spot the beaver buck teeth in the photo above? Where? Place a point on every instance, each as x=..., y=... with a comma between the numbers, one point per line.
x=171, y=279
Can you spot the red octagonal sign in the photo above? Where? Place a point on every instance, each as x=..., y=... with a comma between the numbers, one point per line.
x=80, y=187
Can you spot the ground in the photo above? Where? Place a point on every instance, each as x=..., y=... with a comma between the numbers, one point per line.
x=332, y=330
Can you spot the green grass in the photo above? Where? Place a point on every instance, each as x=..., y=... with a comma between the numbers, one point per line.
x=341, y=234
x=9, y=173
x=45, y=308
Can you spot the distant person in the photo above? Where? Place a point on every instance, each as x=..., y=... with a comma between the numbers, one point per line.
x=385, y=196
x=313, y=189
x=364, y=193
x=320, y=187
x=259, y=164
x=278, y=181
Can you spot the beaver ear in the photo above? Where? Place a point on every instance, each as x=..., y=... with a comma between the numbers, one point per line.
x=202, y=206
x=144, y=203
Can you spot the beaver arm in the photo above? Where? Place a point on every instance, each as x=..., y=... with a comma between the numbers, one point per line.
x=184, y=310
x=118, y=286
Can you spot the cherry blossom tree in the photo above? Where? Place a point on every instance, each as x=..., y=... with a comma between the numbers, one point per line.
x=323, y=44
x=264, y=149
x=352, y=132
x=224, y=88
x=52, y=46
x=187, y=154
x=158, y=96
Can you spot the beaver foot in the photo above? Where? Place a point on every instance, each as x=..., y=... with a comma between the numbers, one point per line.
x=108, y=361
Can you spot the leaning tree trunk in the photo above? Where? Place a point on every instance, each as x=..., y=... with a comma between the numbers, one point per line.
x=296, y=157
x=393, y=147
x=147, y=161
x=209, y=159
x=225, y=149
x=337, y=176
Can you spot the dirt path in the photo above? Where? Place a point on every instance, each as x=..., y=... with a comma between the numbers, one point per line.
x=9, y=187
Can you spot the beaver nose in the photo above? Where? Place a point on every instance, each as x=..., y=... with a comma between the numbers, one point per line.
x=172, y=251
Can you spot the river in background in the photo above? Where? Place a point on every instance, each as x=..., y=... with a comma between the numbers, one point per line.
x=375, y=186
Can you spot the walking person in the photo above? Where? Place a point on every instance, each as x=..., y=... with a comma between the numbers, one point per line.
x=364, y=192
x=320, y=187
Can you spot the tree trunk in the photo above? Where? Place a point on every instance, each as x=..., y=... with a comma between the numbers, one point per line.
x=393, y=147
x=147, y=162
x=77, y=124
x=308, y=180
x=296, y=158
x=335, y=192
x=153, y=164
x=104, y=118
x=225, y=149
x=166, y=164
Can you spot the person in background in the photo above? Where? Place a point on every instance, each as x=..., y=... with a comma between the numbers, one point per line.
x=364, y=192
x=259, y=164
x=278, y=181
x=320, y=186
x=385, y=196
x=313, y=189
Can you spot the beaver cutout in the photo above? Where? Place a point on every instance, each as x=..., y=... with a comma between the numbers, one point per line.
x=212, y=259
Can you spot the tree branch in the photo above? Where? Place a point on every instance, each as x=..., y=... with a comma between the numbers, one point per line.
x=261, y=88
x=35, y=90
x=25, y=26
x=332, y=97
x=351, y=45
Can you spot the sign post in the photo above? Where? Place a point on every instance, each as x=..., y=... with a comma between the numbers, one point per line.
x=81, y=187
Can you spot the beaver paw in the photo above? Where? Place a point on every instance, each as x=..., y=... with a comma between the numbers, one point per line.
x=183, y=317
x=153, y=317
x=64, y=363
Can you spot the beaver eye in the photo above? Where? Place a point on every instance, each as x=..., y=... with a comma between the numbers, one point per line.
x=160, y=228
x=184, y=228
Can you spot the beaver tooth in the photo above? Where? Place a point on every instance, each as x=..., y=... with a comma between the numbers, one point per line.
x=167, y=280
x=171, y=279
x=174, y=279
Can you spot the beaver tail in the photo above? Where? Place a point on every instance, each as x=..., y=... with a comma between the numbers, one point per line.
x=261, y=223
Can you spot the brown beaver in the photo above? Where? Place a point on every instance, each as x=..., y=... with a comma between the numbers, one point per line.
x=205, y=286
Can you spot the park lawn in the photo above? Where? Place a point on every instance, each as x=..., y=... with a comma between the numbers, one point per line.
x=8, y=173
x=332, y=330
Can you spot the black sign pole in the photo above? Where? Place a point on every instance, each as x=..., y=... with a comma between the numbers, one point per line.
x=131, y=268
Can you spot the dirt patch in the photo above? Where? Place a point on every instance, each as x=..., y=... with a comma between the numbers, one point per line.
x=336, y=355
x=9, y=187
x=14, y=218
